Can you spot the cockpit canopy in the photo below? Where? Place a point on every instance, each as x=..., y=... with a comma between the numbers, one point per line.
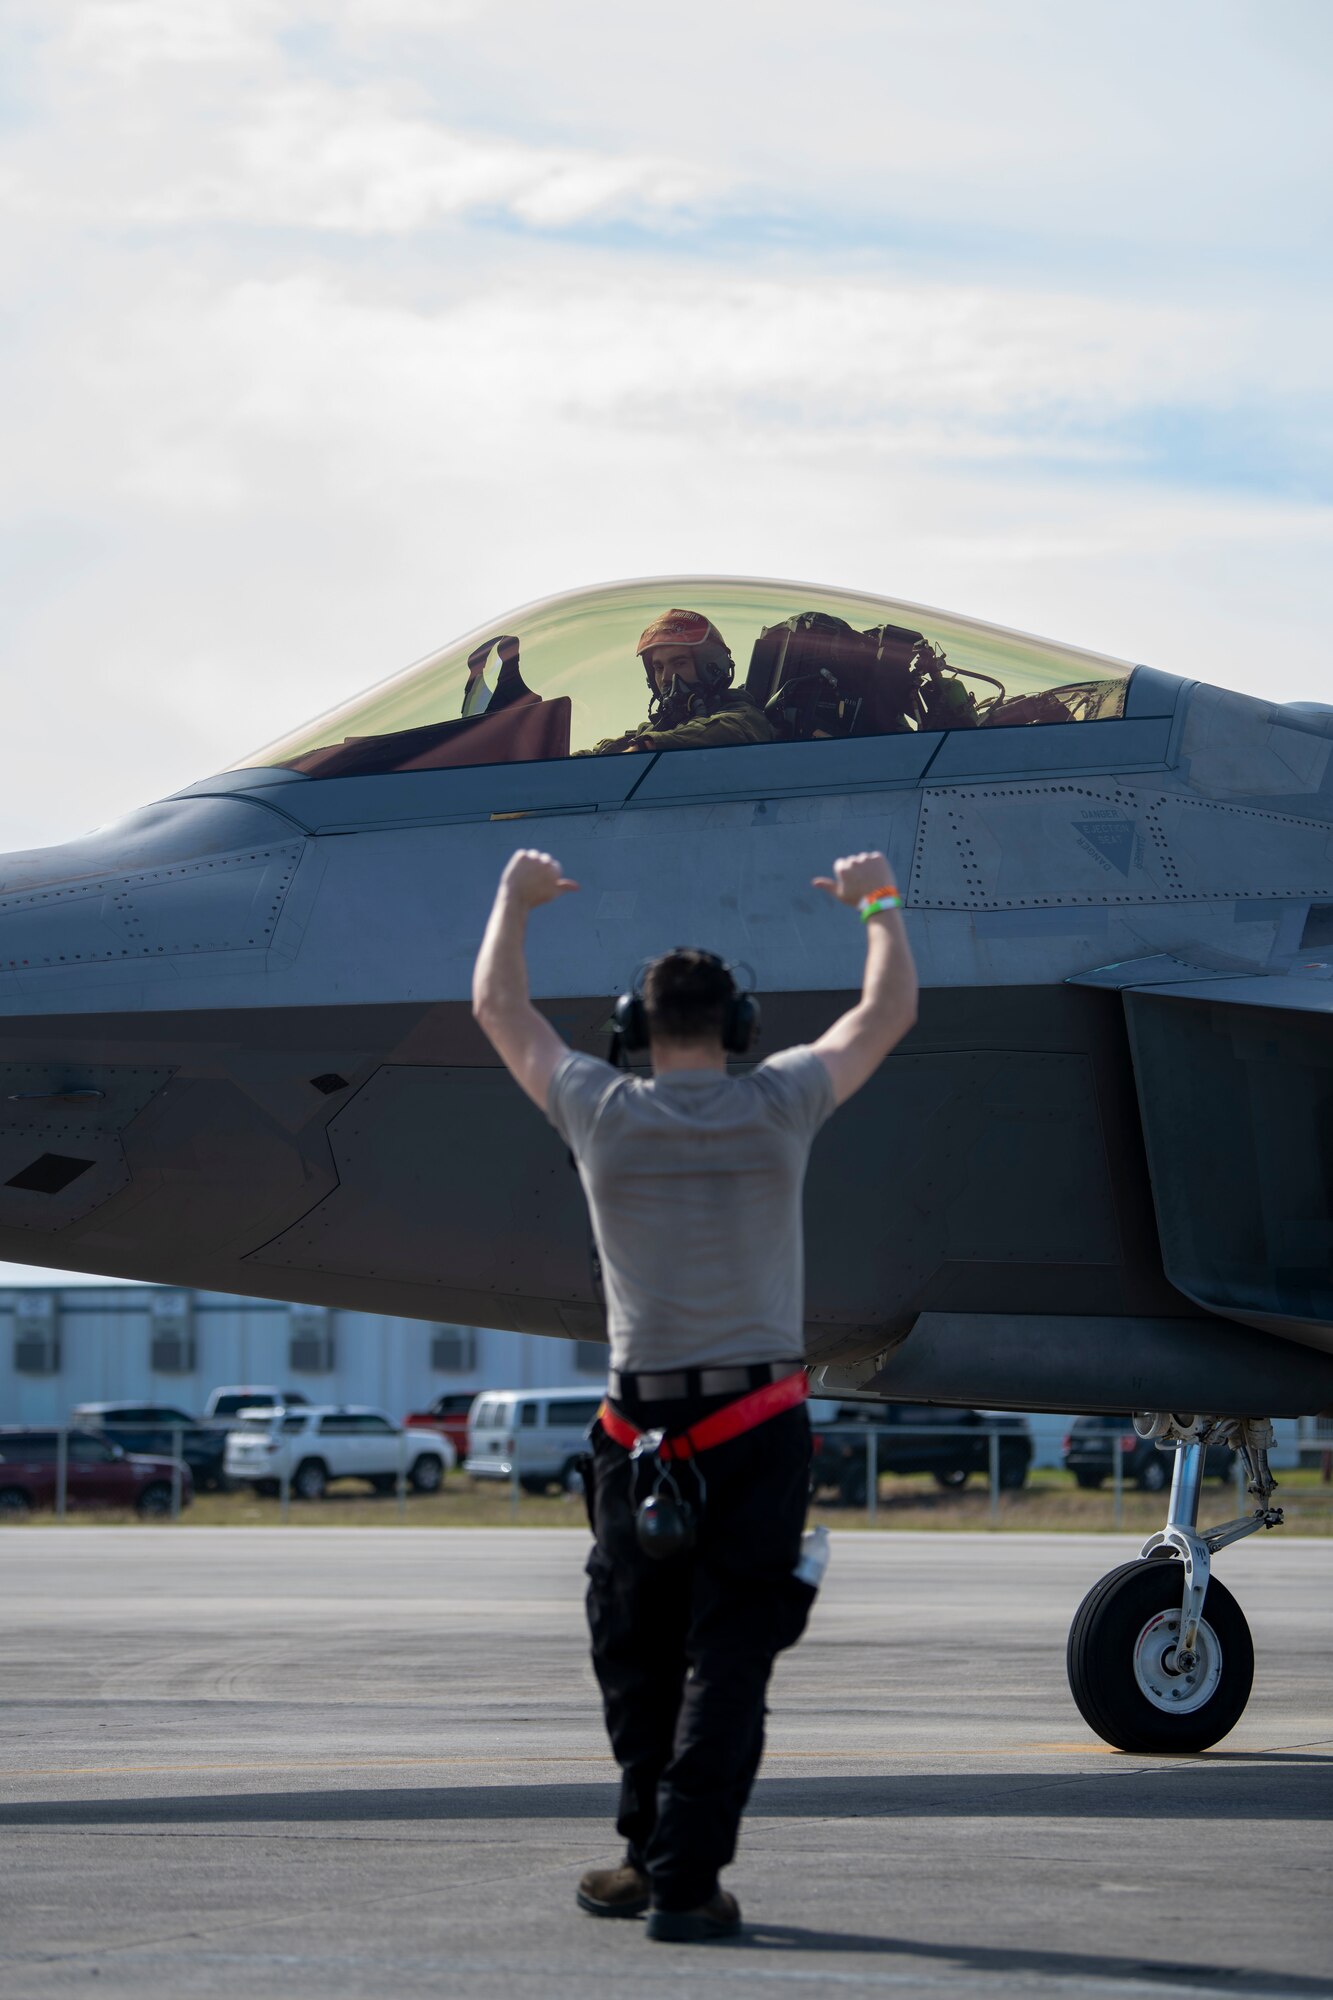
x=563, y=677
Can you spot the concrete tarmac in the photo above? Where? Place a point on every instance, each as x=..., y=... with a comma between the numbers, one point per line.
x=370, y=1762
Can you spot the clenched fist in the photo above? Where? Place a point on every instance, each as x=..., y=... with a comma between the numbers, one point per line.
x=532, y=878
x=855, y=876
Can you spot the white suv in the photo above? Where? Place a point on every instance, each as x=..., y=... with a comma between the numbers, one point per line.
x=310, y=1447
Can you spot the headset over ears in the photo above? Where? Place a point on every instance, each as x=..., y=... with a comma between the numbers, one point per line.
x=740, y=1019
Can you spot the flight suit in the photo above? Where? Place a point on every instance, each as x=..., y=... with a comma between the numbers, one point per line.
x=736, y=717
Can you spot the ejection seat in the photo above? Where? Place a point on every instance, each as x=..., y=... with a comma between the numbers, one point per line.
x=814, y=676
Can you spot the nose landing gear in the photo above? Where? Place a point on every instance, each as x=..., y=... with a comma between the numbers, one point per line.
x=1160, y=1658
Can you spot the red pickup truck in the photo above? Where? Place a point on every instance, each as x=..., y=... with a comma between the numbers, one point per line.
x=448, y=1413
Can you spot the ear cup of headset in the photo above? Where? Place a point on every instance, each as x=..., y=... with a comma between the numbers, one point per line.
x=740, y=1024
x=630, y=1021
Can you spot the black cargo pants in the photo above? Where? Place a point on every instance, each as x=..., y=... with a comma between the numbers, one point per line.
x=683, y=1646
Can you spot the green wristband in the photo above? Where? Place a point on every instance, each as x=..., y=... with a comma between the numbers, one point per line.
x=884, y=899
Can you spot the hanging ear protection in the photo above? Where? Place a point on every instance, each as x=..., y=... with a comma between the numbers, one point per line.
x=740, y=1019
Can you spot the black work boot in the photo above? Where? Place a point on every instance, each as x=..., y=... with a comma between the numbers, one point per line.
x=614, y=1892
x=719, y=1917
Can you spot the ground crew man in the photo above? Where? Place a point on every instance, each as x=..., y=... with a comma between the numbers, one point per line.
x=692, y=704
x=694, y=1182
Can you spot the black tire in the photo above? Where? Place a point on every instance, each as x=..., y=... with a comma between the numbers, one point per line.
x=1154, y=1474
x=14, y=1504
x=154, y=1503
x=310, y=1479
x=426, y=1474
x=954, y=1480
x=1112, y=1626
x=852, y=1486
x=531, y=1484
x=1089, y=1481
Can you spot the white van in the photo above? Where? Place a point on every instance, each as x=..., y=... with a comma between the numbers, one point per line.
x=541, y=1433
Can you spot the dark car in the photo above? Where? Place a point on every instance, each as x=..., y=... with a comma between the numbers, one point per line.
x=950, y=1444
x=1090, y=1455
x=153, y=1428
x=98, y=1473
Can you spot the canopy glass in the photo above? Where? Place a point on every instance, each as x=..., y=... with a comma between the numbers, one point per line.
x=796, y=663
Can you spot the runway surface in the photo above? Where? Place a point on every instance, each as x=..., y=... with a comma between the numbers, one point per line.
x=370, y=1762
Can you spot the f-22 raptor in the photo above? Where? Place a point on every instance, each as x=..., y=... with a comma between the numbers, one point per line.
x=237, y=1052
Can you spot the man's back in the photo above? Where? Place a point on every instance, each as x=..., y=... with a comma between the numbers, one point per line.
x=694, y=1179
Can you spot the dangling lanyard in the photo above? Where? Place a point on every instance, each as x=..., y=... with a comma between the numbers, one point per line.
x=665, y=1523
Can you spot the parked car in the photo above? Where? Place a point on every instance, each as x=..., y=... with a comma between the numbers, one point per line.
x=327, y=1441
x=950, y=1444
x=540, y=1432
x=448, y=1414
x=153, y=1428
x=98, y=1473
x=1090, y=1455
x=224, y=1404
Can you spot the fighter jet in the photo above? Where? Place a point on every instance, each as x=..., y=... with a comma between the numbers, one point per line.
x=237, y=1051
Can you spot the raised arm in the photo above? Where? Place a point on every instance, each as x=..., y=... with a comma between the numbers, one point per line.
x=525, y=1041
x=857, y=1043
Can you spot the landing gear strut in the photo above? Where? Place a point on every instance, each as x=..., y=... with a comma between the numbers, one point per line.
x=1160, y=1657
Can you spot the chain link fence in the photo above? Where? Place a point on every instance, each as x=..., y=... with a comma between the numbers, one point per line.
x=877, y=1474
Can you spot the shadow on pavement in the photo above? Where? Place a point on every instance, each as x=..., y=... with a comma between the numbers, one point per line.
x=1069, y=1965
x=1202, y=1789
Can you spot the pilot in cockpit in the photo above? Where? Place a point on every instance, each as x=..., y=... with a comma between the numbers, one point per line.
x=692, y=704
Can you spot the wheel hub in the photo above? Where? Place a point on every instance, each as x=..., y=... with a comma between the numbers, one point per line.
x=1162, y=1679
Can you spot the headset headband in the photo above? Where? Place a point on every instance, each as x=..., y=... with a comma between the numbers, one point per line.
x=740, y=1016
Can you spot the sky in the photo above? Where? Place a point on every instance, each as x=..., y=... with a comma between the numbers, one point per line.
x=330, y=332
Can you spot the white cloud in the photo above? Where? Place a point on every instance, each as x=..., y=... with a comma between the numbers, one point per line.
x=189, y=391
x=160, y=117
x=317, y=157
x=310, y=157
x=1037, y=123
x=122, y=39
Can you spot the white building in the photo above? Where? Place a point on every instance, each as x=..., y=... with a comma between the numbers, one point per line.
x=62, y=1345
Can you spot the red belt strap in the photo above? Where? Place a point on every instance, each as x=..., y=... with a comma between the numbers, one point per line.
x=731, y=1422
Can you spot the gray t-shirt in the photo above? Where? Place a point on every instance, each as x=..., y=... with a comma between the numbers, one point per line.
x=694, y=1183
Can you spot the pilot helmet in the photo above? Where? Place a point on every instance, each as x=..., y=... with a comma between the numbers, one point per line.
x=717, y=669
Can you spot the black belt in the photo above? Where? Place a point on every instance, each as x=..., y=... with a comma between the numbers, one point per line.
x=682, y=1383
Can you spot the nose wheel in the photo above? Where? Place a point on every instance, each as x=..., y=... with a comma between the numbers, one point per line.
x=1160, y=1657
x=1126, y=1670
